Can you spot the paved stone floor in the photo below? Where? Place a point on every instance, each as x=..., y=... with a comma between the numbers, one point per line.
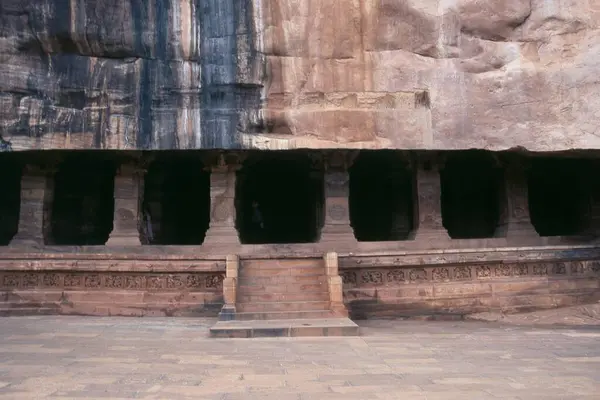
x=160, y=358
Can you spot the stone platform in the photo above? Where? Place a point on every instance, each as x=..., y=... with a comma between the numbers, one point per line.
x=285, y=328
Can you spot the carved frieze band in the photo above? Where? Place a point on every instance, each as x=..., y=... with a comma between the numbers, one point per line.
x=111, y=280
x=402, y=275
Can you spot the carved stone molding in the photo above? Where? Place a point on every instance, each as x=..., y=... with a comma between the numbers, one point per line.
x=392, y=276
x=77, y=280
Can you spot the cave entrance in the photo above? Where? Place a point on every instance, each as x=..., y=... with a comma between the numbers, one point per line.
x=559, y=196
x=10, y=200
x=381, y=197
x=83, y=201
x=279, y=199
x=176, y=205
x=471, y=186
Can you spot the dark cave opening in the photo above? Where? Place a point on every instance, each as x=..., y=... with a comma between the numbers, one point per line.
x=471, y=188
x=10, y=200
x=83, y=201
x=381, y=197
x=559, y=196
x=279, y=199
x=176, y=205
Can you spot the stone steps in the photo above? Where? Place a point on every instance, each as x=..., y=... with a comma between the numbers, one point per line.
x=283, y=306
x=274, y=297
x=282, y=288
x=283, y=298
x=280, y=315
x=276, y=272
x=278, y=280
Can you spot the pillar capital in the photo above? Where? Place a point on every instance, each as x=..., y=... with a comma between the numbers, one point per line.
x=224, y=161
x=339, y=159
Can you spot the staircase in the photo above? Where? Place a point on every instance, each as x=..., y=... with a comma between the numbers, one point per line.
x=284, y=297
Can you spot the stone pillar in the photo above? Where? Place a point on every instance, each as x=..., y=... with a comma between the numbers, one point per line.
x=221, y=229
x=429, y=227
x=37, y=194
x=336, y=227
x=129, y=186
x=515, y=219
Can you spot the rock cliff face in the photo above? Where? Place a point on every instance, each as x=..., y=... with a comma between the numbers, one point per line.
x=279, y=74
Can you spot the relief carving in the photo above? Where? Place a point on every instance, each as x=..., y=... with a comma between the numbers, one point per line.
x=503, y=270
x=417, y=274
x=540, y=269
x=559, y=268
x=11, y=280
x=175, y=282
x=51, y=280
x=194, y=281
x=92, y=281
x=462, y=273
x=134, y=282
x=113, y=281
x=595, y=266
x=154, y=282
x=395, y=275
x=215, y=281
x=520, y=270
x=372, y=277
x=483, y=271
x=441, y=274
x=30, y=280
x=577, y=268
x=72, y=280
x=349, y=277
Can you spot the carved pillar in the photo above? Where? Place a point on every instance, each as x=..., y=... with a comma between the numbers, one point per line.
x=336, y=227
x=221, y=229
x=429, y=225
x=515, y=218
x=129, y=186
x=37, y=194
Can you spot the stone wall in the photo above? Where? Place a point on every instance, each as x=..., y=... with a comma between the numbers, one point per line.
x=462, y=282
x=281, y=74
x=171, y=281
x=104, y=284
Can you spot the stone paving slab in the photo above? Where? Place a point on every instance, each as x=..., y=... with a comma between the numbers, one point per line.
x=285, y=328
x=59, y=357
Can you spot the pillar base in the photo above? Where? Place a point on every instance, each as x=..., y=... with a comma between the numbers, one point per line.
x=431, y=235
x=227, y=313
x=221, y=235
x=26, y=242
x=340, y=234
x=117, y=241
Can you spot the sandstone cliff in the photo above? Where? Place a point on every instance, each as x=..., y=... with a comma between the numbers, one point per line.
x=279, y=74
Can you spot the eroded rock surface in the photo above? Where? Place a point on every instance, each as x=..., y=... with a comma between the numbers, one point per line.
x=278, y=74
